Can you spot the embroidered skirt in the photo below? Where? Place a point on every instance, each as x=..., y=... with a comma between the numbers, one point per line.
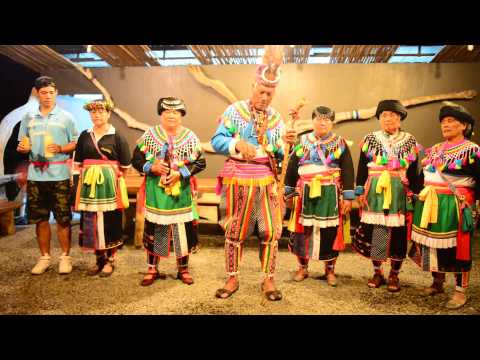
x=163, y=208
x=98, y=186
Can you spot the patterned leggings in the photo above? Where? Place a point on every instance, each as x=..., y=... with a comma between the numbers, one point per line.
x=243, y=208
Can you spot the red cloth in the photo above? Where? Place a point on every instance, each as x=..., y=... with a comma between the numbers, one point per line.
x=463, y=238
x=339, y=244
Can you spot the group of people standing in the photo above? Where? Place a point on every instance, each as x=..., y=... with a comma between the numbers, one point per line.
x=399, y=187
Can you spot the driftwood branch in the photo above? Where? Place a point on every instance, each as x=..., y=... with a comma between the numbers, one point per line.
x=129, y=120
x=364, y=114
x=216, y=85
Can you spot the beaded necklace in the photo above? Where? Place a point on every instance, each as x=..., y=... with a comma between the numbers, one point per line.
x=452, y=157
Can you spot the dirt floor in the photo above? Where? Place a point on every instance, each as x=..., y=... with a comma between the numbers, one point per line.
x=76, y=293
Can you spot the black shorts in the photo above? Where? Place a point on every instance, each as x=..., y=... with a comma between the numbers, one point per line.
x=46, y=196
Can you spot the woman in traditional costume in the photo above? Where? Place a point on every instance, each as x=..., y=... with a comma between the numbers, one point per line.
x=321, y=170
x=387, y=166
x=450, y=182
x=169, y=155
x=102, y=155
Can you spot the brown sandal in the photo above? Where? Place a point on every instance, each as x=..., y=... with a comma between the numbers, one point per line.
x=300, y=275
x=153, y=276
x=105, y=274
x=273, y=295
x=185, y=277
x=222, y=291
x=393, y=283
x=377, y=281
x=94, y=270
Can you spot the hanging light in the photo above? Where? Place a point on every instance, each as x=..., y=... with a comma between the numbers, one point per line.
x=470, y=47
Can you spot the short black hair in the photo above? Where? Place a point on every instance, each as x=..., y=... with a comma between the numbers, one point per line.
x=44, y=81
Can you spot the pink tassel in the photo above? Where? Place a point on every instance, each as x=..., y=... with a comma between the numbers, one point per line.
x=394, y=164
x=451, y=166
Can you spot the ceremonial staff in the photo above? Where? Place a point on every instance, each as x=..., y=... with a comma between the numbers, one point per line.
x=286, y=148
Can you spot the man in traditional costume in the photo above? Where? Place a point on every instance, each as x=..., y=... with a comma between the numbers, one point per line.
x=450, y=182
x=49, y=135
x=251, y=134
x=169, y=155
x=321, y=170
x=103, y=155
x=387, y=166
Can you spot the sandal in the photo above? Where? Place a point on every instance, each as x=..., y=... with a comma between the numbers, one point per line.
x=103, y=273
x=273, y=295
x=393, y=283
x=185, y=277
x=152, y=277
x=377, y=281
x=94, y=270
x=331, y=279
x=300, y=275
x=222, y=291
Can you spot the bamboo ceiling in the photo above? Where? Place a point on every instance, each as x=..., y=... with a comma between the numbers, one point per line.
x=458, y=53
x=125, y=55
x=35, y=57
x=363, y=54
x=42, y=57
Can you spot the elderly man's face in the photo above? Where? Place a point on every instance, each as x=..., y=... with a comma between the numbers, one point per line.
x=262, y=96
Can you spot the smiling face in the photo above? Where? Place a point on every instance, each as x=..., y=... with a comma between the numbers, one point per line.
x=262, y=96
x=171, y=119
x=47, y=96
x=452, y=128
x=322, y=125
x=99, y=117
x=390, y=121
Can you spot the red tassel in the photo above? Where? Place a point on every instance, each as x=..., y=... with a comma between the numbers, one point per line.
x=463, y=238
x=409, y=221
x=339, y=244
x=218, y=187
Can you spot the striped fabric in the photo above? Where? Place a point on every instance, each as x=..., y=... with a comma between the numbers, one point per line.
x=243, y=173
x=243, y=208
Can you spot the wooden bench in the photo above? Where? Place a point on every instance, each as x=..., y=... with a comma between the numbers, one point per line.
x=7, y=218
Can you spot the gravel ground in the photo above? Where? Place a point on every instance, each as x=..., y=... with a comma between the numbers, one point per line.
x=76, y=293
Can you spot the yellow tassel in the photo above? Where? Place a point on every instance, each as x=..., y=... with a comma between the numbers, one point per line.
x=122, y=186
x=337, y=153
x=292, y=223
x=430, y=206
x=93, y=176
x=316, y=184
x=384, y=184
x=315, y=187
